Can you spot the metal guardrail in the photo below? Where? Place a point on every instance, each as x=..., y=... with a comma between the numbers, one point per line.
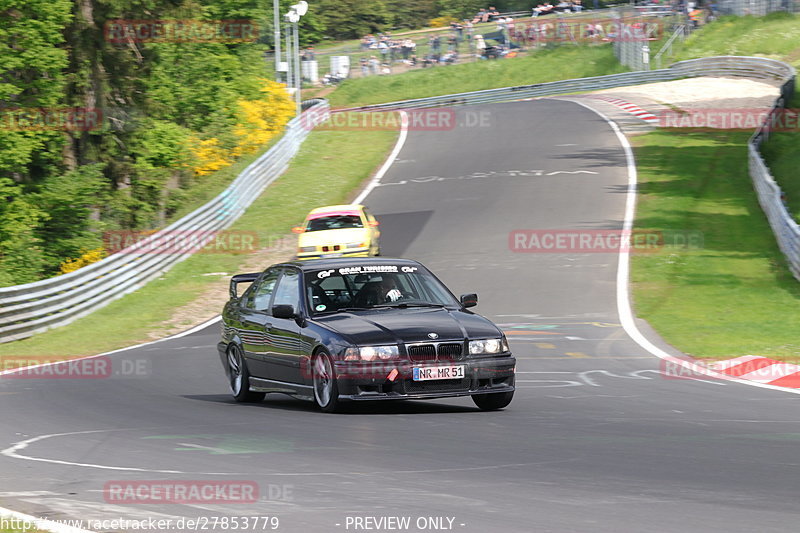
x=35, y=307
x=736, y=66
x=770, y=196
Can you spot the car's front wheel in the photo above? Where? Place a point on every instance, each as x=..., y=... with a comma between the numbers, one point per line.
x=494, y=401
x=326, y=391
x=240, y=377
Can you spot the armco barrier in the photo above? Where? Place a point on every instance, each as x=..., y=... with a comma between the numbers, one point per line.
x=35, y=307
x=770, y=196
x=736, y=66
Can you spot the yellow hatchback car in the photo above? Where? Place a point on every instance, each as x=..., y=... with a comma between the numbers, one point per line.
x=338, y=231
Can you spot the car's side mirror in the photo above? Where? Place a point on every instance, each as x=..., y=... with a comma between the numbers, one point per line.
x=373, y=223
x=241, y=278
x=298, y=229
x=469, y=300
x=283, y=311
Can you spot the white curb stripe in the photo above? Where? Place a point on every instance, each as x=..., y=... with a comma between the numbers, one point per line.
x=401, y=140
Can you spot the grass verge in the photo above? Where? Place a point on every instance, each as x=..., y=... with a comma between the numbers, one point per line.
x=328, y=168
x=558, y=63
x=776, y=36
x=735, y=295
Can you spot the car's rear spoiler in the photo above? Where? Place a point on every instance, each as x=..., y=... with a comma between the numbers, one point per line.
x=242, y=278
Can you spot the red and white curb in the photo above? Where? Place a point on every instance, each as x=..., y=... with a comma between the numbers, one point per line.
x=760, y=370
x=633, y=109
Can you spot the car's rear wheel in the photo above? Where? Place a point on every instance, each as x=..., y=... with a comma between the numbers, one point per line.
x=326, y=390
x=240, y=377
x=494, y=401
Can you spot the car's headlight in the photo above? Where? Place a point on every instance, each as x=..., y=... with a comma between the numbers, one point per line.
x=488, y=346
x=308, y=248
x=355, y=245
x=371, y=353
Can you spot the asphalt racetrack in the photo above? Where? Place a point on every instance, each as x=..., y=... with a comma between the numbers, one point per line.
x=597, y=438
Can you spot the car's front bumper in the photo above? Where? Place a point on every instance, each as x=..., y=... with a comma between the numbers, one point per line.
x=373, y=381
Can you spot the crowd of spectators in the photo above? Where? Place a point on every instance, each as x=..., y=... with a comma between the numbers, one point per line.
x=442, y=49
x=564, y=6
x=381, y=52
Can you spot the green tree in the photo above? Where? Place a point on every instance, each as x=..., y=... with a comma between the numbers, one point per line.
x=32, y=59
x=350, y=19
x=21, y=255
x=461, y=9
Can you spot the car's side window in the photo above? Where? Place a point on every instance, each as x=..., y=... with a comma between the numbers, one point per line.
x=288, y=291
x=259, y=297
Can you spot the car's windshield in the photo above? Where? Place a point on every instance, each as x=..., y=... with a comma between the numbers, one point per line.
x=371, y=286
x=334, y=222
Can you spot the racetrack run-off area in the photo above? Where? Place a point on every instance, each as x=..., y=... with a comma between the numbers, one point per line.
x=599, y=437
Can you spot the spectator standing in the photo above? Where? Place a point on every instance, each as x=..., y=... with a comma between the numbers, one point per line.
x=405, y=49
x=364, y=66
x=480, y=45
x=383, y=48
x=435, y=44
x=452, y=43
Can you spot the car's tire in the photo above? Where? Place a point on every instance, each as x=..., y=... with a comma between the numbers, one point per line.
x=240, y=377
x=326, y=390
x=494, y=401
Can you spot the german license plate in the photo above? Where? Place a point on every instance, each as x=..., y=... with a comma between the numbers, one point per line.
x=334, y=254
x=427, y=373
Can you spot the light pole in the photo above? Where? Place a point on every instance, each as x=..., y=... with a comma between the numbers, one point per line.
x=276, y=20
x=293, y=47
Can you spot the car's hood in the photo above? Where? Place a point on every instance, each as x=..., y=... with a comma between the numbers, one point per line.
x=333, y=236
x=389, y=326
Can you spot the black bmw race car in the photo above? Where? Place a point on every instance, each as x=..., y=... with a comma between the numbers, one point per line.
x=332, y=330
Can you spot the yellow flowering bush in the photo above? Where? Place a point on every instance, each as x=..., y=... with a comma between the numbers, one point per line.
x=441, y=22
x=87, y=258
x=209, y=155
x=260, y=120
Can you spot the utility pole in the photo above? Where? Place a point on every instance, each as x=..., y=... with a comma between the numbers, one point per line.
x=276, y=21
